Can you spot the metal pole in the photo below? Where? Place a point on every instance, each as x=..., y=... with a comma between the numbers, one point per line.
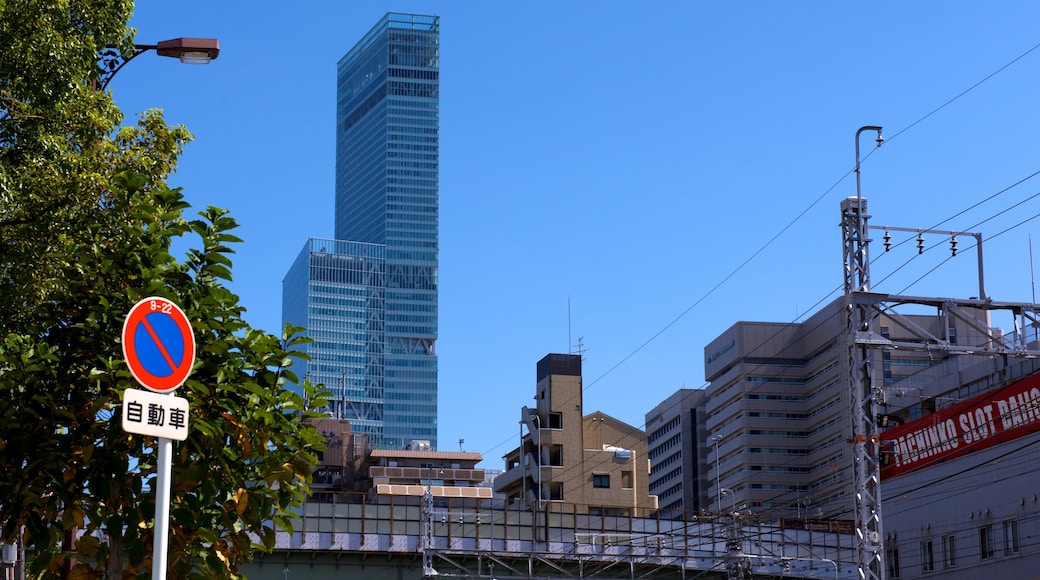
x=864, y=394
x=862, y=228
x=718, y=475
x=161, y=542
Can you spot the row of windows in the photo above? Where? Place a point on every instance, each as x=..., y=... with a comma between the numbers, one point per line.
x=412, y=138
x=661, y=449
x=418, y=318
x=411, y=168
x=406, y=408
x=671, y=475
x=424, y=60
x=367, y=105
x=671, y=490
x=416, y=306
x=795, y=416
x=411, y=217
x=987, y=540
x=662, y=430
x=408, y=73
x=412, y=242
x=408, y=330
x=412, y=147
x=415, y=256
x=410, y=42
x=402, y=155
x=398, y=130
x=410, y=105
x=399, y=122
x=404, y=396
x=667, y=461
x=400, y=181
x=425, y=199
x=409, y=89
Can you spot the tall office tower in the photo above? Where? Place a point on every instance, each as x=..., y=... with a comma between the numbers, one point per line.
x=387, y=153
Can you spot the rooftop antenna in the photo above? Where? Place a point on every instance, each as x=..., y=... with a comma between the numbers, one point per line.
x=461, y=441
x=581, y=347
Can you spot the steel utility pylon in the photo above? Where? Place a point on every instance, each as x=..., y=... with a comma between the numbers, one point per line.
x=861, y=341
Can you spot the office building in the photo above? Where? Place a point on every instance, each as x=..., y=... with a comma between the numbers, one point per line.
x=593, y=463
x=375, y=321
x=942, y=398
x=677, y=468
x=778, y=405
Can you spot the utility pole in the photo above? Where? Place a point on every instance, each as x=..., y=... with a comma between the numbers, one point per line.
x=737, y=565
x=862, y=341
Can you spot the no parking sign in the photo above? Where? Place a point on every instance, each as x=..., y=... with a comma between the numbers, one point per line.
x=158, y=344
x=159, y=348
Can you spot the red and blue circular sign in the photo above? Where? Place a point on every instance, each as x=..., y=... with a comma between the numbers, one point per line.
x=158, y=344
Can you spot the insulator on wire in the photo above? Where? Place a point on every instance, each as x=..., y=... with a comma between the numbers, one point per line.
x=953, y=245
x=888, y=240
x=920, y=243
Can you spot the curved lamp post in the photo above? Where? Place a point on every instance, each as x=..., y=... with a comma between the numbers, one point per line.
x=188, y=50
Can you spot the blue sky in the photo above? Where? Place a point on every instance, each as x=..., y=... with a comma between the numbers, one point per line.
x=636, y=175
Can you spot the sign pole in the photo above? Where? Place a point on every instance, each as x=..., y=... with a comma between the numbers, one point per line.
x=161, y=541
x=159, y=348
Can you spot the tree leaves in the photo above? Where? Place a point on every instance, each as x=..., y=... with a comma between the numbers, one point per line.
x=87, y=227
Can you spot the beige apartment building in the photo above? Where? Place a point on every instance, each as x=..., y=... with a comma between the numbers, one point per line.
x=416, y=469
x=594, y=462
x=351, y=471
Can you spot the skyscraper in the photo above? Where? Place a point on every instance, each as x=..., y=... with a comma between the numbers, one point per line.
x=369, y=298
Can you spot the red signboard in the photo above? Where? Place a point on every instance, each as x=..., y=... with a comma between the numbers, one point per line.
x=158, y=344
x=980, y=422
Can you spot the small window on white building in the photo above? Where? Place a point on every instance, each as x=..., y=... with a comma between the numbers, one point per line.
x=600, y=480
x=949, y=547
x=1010, y=537
x=927, y=556
x=986, y=548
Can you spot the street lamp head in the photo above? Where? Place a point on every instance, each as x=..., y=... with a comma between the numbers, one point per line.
x=189, y=50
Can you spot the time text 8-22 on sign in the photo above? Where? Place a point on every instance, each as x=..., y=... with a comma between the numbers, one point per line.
x=158, y=344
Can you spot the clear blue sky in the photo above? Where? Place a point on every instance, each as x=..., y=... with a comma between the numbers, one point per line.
x=625, y=159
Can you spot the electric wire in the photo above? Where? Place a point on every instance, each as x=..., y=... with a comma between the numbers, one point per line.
x=795, y=220
x=798, y=217
x=795, y=461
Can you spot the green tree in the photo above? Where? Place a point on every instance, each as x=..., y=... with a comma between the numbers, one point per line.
x=86, y=229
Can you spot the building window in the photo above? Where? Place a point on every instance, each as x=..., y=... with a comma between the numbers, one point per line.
x=927, y=557
x=556, y=491
x=600, y=480
x=626, y=479
x=892, y=559
x=986, y=542
x=556, y=455
x=949, y=547
x=556, y=420
x=1010, y=537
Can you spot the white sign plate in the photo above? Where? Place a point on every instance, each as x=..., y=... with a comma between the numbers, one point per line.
x=148, y=413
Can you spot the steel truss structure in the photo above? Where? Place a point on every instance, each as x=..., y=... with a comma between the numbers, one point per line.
x=864, y=341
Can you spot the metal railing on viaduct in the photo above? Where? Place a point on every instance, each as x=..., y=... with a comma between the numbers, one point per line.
x=347, y=536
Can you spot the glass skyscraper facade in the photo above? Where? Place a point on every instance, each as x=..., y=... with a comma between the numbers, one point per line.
x=375, y=326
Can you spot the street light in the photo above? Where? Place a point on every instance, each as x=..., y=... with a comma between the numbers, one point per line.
x=861, y=229
x=718, y=475
x=188, y=50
